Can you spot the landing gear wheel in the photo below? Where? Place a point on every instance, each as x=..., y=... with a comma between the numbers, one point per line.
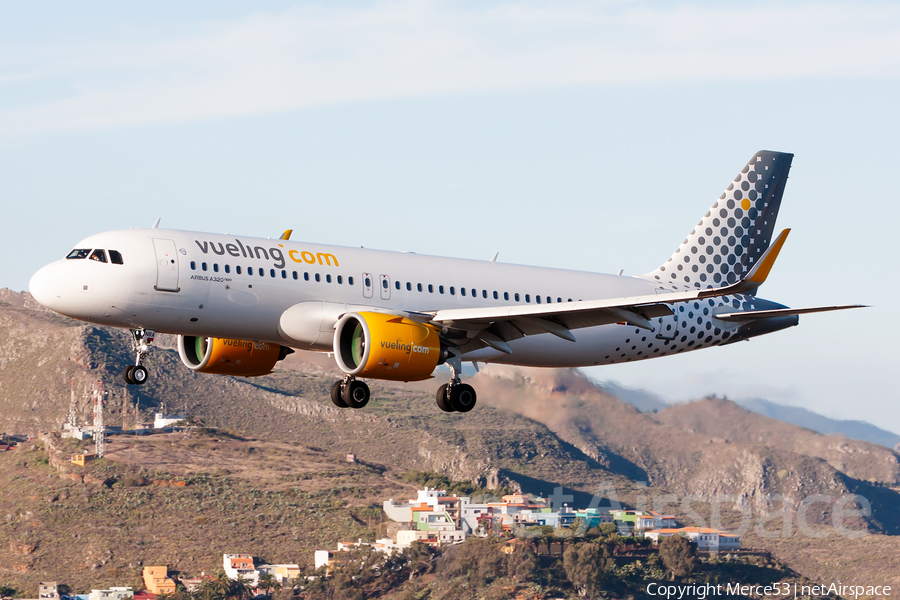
x=441, y=398
x=355, y=394
x=141, y=339
x=462, y=397
x=336, y=395
x=139, y=375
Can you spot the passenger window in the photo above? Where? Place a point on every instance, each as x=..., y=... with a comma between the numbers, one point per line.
x=98, y=255
x=408, y=286
x=506, y=295
x=384, y=283
x=452, y=291
x=559, y=299
x=496, y=297
x=462, y=291
x=537, y=299
x=527, y=298
x=193, y=266
x=228, y=268
x=340, y=279
x=318, y=278
x=517, y=296
x=474, y=293
x=396, y=285
x=484, y=293
x=368, y=282
x=549, y=299
x=115, y=257
x=328, y=278
x=237, y=269
x=79, y=253
x=350, y=281
x=203, y=266
x=306, y=277
x=440, y=289
x=430, y=289
x=295, y=275
x=216, y=267
x=570, y=300
x=419, y=286
x=272, y=272
x=283, y=274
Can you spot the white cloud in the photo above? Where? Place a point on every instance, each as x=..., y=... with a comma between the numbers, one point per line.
x=323, y=54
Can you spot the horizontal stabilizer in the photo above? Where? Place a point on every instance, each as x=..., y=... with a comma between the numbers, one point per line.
x=749, y=315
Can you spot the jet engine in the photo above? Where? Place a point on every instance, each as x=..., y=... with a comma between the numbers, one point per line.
x=385, y=346
x=229, y=357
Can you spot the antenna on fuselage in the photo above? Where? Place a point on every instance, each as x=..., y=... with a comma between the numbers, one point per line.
x=494, y=257
x=156, y=223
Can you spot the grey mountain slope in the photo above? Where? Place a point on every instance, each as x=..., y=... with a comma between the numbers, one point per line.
x=857, y=430
x=642, y=400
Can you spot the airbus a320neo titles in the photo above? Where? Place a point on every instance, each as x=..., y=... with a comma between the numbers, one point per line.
x=239, y=305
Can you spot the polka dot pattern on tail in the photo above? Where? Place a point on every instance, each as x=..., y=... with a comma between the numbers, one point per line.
x=736, y=230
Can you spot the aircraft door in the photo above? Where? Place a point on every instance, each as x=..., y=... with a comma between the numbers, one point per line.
x=166, y=265
x=367, y=285
x=385, y=287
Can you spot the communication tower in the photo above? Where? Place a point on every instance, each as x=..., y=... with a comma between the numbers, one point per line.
x=98, y=394
x=72, y=416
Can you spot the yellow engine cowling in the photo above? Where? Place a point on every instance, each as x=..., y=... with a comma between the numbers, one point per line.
x=229, y=357
x=384, y=346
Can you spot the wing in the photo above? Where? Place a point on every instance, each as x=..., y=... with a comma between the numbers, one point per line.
x=496, y=325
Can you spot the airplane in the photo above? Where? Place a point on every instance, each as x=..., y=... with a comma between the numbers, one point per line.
x=239, y=304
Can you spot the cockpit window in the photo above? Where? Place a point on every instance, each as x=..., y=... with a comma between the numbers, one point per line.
x=79, y=253
x=98, y=255
x=115, y=257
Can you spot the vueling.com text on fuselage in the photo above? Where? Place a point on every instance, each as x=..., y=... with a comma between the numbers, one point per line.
x=238, y=249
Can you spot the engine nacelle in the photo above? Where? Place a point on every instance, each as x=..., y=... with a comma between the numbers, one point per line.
x=384, y=346
x=229, y=357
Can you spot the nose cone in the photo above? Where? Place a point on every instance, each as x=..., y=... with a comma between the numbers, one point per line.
x=46, y=287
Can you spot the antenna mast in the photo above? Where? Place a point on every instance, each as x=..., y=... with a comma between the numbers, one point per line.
x=72, y=422
x=99, y=430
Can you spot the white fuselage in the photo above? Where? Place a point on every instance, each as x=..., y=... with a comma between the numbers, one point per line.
x=224, y=286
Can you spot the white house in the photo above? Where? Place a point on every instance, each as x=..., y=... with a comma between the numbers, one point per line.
x=114, y=593
x=712, y=540
x=240, y=565
x=161, y=421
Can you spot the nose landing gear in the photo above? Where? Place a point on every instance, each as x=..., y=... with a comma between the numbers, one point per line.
x=137, y=373
x=349, y=392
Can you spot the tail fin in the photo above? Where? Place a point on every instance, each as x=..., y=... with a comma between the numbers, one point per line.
x=732, y=236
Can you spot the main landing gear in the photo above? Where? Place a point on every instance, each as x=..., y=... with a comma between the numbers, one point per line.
x=137, y=373
x=455, y=396
x=349, y=392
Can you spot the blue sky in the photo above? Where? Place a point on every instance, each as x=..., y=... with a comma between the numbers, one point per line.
x=587, y=135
